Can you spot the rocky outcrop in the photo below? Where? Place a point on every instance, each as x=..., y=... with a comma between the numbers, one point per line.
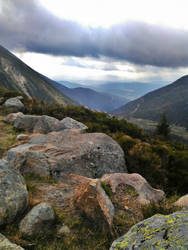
x=91, y=199
x=59, y=154
x=146, y=193
x=182, y=201
x=40, y=124
x=113, y=195
x=157, y=232
x=38, y=220
x=13, y=193
x=70, y=123
x=5, y=244
x=14, y=103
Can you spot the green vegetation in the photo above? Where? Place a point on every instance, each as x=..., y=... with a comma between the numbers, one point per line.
x=164, y=207
x=163, y=127
x=7, y=136
x=84, y=234
x=107, y=189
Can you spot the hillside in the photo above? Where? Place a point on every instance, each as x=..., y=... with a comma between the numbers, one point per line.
x=171, y=99
x=91, y=98
x=16, y=75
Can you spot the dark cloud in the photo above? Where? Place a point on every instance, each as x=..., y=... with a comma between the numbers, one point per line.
x=27, y=25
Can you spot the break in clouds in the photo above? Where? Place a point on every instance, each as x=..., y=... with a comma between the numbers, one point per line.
x=27, y=26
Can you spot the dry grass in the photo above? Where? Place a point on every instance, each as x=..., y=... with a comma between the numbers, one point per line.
x=7, y=136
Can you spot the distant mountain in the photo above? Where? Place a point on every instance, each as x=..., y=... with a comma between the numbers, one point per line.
x=72, y=84
x=16, y=75
x=128, y=90
x=171, y=99
x=91, y=98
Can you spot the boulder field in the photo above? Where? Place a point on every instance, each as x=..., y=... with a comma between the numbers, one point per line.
x=42, y=124
x=88, y=176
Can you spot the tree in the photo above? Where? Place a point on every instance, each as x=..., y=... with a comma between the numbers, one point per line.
x=163, y=127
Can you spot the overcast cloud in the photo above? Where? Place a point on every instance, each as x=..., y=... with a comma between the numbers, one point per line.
x=24, y=25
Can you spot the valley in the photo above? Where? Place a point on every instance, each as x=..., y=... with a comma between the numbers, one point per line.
x=73, y=177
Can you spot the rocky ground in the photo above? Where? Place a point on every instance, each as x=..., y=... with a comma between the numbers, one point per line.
x=63, y=188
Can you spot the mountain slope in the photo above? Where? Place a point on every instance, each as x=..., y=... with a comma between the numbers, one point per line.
x=16, y=75
x=171, y=99
x=91, y=98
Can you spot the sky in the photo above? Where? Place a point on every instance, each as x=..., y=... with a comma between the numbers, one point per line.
x=99, y=40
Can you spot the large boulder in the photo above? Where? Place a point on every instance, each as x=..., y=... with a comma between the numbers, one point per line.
x=59, y=154
x=13, y=193
x=41, y=124
x=146, y=193
x=157, y=232
x=38, y=221
x=14, y=103
x=93, y=201
x=5, y=244
x=70, y=123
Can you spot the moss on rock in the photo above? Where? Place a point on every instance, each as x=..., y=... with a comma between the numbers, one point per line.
x=157, y=232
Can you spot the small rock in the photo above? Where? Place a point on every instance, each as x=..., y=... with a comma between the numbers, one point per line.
x=38, y=220
x=14, y=103
x=22, y=137
x=182, y=202
x=64, y=230
x=20, y=97
x=70, y=123
x=5, y=244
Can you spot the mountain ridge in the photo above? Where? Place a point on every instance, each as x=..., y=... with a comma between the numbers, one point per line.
x=128, y=90
x=171, y=99
x=16, y=75
x=91, y=98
